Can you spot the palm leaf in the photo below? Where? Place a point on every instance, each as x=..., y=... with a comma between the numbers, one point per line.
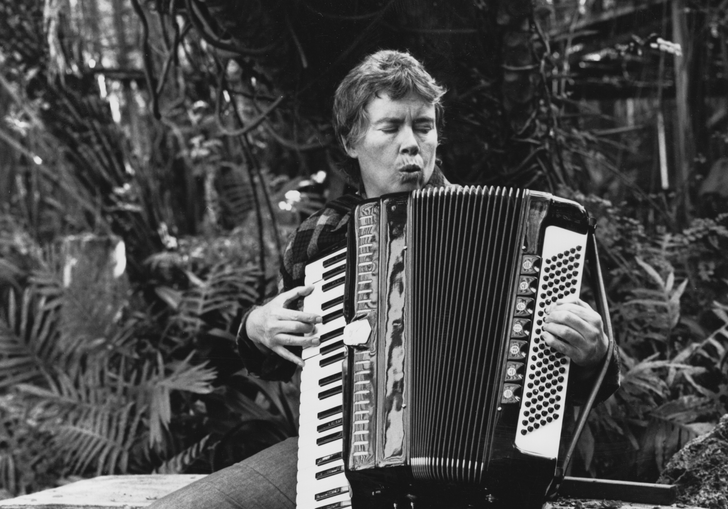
x=155, y=390
x=220, y=293
x=89, y=417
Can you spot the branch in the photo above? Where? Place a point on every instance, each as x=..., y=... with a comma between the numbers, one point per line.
x=432, y=31
x=147, y=57
x=356, y=17
x=299, y=47
x=172, y=55
x=207, y=33
x=16, y=145
x=364, y=33
x=252, y=124
x=289, y=144
x=292, y=145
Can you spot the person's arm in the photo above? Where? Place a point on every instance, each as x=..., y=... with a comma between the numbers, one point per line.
x=276, y=327
x=270, y=337
x=576, y=330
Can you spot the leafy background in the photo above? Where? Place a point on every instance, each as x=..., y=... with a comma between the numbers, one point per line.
x=154, y=157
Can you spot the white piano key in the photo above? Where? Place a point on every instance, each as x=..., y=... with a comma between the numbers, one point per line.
x=311, y=398
x=316, y=270
x=322, y=329
x=311, y=470
x=309, y=502
x=314, y=485
x=314, y=382
x=327, y=371
x=311, y=426
x=320, y=486
x=313, y=449
x=312, y=452
x=318, y=297
x=323, y=400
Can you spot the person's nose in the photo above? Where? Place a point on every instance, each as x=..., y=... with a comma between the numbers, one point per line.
x=408, y=144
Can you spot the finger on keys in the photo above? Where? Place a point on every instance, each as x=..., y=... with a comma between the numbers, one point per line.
x=304, y=341
x=286, y=354
x=294, y=326
x=295, y=293
x=302, y=317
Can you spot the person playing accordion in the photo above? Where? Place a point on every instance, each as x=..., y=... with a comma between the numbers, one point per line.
x=387, y=115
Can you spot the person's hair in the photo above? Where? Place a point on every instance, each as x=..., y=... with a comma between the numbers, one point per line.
x=395, y=73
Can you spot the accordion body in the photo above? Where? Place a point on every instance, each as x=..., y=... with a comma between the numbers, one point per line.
x=448, y=389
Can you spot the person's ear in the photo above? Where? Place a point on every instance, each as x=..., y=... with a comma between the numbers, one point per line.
x=350, y=151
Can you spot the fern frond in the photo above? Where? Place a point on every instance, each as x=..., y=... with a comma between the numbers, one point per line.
x=220, y=293
x=234, y=193
x=27, y=338
x=93, y=418
x=673, y=425
x=189, y=378
x=155, y=390
x=178, y=463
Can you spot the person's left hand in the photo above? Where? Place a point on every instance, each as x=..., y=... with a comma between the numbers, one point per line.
x=576, y=330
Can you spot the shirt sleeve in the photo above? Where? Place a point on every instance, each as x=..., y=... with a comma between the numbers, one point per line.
x=262, y=362
x=579, y=389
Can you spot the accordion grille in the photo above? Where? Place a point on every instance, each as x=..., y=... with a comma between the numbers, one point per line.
x=460, y=240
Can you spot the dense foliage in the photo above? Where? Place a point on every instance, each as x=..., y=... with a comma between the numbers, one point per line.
x=197, y=134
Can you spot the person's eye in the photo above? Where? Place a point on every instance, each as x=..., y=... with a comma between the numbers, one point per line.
x=425, y=128
x=389, y=129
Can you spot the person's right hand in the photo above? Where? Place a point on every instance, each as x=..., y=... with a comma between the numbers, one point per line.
x=275, y=326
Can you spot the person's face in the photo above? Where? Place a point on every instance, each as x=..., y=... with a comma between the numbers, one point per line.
x=396, y=151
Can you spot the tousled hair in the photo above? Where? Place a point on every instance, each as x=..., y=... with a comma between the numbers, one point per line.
x=395, y=73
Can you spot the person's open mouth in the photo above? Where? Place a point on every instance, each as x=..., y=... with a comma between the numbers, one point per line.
x=411, y=168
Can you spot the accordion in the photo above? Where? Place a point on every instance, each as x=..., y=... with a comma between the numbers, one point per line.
x=431, y=380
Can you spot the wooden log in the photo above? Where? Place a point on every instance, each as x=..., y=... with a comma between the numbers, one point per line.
x=582, y=503
x=626, y=491
x=118, y=491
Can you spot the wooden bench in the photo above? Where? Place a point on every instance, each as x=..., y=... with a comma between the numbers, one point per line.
x=139, y=491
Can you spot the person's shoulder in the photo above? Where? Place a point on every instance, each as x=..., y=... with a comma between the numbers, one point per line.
x=318, y=232
x=332, y=214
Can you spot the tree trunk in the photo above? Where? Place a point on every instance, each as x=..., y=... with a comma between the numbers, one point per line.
x=685, y=146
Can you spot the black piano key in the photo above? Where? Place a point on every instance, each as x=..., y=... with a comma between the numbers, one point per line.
x=330, y=379
x=332, y=316
x=330, y=493
x=330, y=425
x=331, y=347
x=330, y=438
x=331, y=303
x=330, y=458
x=328, y=413
x=339, y=356
x=335, y=259
x=329, y=472
x=333, y=284
x=331, y=335
x=336, y=271
x=330, y=392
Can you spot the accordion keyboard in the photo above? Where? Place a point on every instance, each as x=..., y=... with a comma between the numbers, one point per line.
x=321, y=482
